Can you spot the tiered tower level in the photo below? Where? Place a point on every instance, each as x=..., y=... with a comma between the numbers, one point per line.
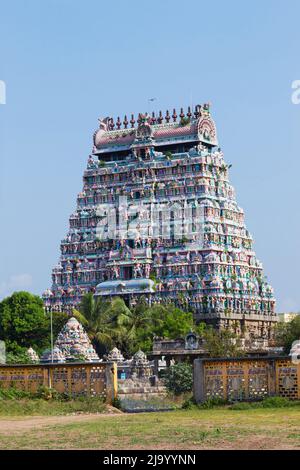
x=118, y=242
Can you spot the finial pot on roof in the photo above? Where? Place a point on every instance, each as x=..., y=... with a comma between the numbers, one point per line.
x=197, y=111
x=132, y=121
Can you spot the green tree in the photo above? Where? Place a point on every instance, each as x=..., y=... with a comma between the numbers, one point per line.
x=179, y=378
x=165, y=321
x=222, y=343
x=18, y=358
x=287, y=333
x=23, y=322
x=59, y=319
x=112, y=323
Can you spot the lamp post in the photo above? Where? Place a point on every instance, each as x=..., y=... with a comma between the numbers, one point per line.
x=51, y=334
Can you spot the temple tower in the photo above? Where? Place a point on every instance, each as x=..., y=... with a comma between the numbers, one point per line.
x=158, y=218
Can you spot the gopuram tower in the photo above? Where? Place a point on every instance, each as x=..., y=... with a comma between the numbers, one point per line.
x=157, y=218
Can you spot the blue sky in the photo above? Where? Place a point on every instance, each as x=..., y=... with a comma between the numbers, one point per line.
x=65, y=63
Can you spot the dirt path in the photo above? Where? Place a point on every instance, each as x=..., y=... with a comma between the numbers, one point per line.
x=15, y=424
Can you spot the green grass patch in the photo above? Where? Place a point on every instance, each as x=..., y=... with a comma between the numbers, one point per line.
x=270, y=402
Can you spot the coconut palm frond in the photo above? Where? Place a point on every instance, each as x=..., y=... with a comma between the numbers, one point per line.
x=80, y=317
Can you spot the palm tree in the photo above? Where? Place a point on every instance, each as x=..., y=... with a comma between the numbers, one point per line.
x=105, y=321
x=139, y=319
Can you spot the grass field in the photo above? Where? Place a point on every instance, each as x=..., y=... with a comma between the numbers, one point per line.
x=222, y=428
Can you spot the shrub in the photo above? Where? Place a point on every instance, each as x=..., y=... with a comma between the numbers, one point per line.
x=27, y=406
x=269, y=402
x=208, y=404
x=275, y=402
x=179, y=378
x=189, y=404
x=116, y=402
x=46, y=393
x=213, y=403
x=13, y=394
x=243, y=406
x=18, y=358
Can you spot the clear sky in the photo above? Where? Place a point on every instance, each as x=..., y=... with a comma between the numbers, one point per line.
x=65, y=63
